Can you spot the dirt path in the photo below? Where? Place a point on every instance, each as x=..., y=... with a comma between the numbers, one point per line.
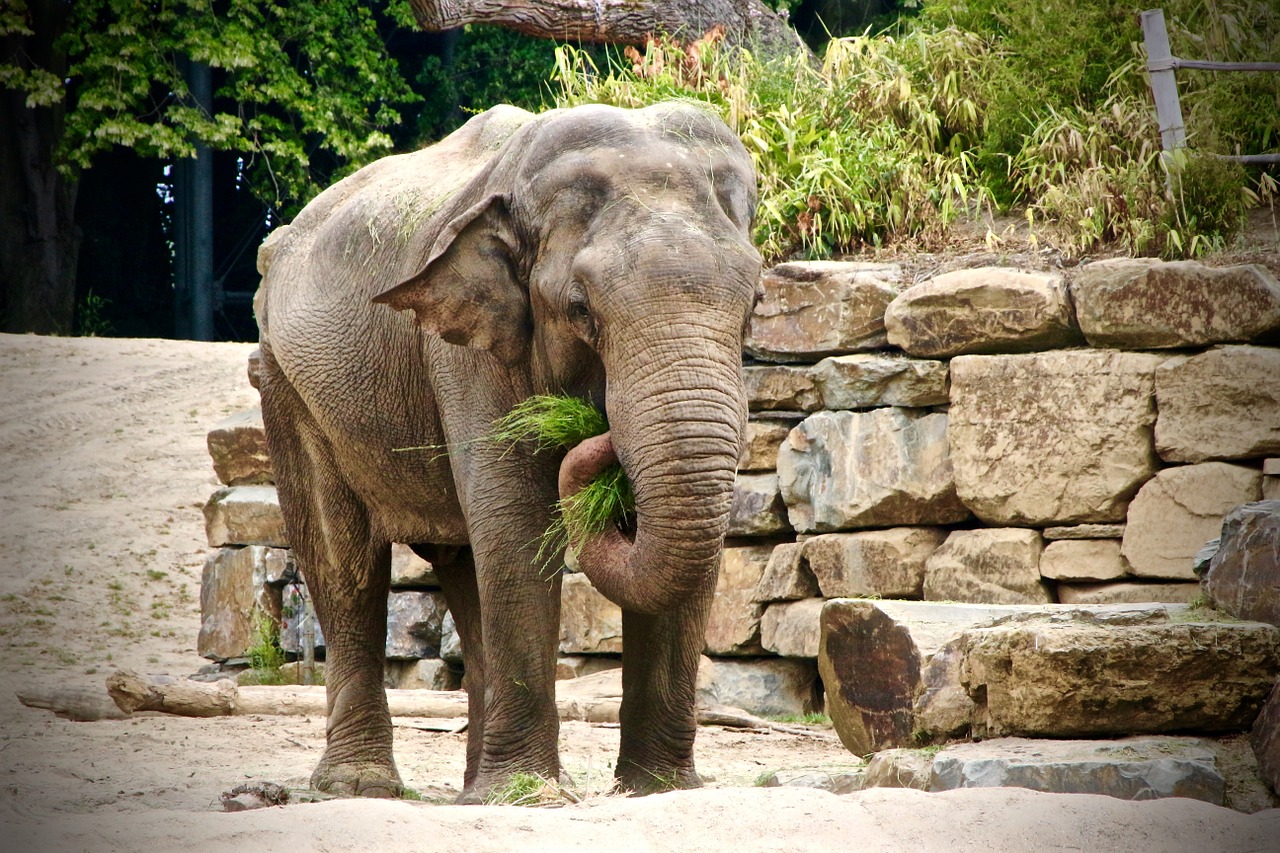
x=103, y=471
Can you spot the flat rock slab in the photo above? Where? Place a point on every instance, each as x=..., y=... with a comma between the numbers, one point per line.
x=1083, y=560
x=414, y=621
x=866, y=380
x=985, y=310
x=837, y=781
x=589, y=622
x=234, y=586
x=1244, y=574
x=760, y=448
x=792, y=629
x=886, y=563
x=762, y=686
x=1128, y=592
x=989, y=565
x=757, y=508
x=734, y=625
x=1140, y=303
x=1137, y=768
x=1054, y=438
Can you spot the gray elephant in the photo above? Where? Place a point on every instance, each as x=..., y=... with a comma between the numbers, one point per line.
x=597, y=252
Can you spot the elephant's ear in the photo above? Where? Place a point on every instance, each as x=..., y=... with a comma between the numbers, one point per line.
x=469, y=292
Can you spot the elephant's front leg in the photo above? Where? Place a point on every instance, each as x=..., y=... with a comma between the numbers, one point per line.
x=660, y=657
x=519, y=625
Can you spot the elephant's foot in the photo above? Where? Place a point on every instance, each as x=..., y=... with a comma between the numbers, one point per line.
x=633, y=779
x=357, y=779
x=516, y=788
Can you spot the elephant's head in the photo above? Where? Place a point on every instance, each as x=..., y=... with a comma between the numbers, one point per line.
x=608, y=252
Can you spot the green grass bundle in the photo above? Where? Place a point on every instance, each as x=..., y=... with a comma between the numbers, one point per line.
x=559, y=422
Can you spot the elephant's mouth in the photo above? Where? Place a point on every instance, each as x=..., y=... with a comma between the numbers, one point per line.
x=583, y=464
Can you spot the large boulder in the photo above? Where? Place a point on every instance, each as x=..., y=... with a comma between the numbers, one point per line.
x=237, y=587
x=787, y=576
x=757, y=508
x=782, y=387
x=589, y=622
x=409, y=571
x=986, y=310
x=1244, y=575
x=989, y=565
x=414, y=620
x=885, y=563
x=882, y=468
x=1265, y=740
x=1082, y=679
x=815, y=308
x=1052, y=438
x=791, y=629
x=1136, y=768
x=760, y=447
x=1180, y=509
x=238, y=447
x=766, y=686
x=734, y=625
x=1083, y=560
x=901, y=673
x=245, y=515
x=865, y=380
x=1140, y=303
x=1221, y=404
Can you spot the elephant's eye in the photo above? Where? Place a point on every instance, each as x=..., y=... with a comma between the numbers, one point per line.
x=582, y=319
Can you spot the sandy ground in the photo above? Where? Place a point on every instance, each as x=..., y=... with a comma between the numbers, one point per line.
x=103, y=471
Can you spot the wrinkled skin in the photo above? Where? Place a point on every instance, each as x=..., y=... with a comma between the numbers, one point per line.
x=597, y=252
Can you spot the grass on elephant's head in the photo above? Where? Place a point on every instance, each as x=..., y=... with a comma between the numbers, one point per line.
x=555, y=422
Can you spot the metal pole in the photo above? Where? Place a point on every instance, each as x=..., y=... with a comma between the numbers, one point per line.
x=1164, y=86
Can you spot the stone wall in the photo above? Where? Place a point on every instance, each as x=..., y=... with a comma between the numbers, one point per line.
x=989, y=436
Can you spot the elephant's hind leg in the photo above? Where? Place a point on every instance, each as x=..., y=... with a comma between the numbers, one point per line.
x=347, y=570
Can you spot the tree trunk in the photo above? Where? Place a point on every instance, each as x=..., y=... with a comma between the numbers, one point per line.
x=747, y=23
x=39, y=241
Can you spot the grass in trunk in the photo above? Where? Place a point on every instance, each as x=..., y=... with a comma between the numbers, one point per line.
x=558, y=422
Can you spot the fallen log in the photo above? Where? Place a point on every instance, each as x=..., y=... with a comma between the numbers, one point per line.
x=79, y=704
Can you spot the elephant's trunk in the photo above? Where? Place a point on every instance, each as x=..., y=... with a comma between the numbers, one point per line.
x=679, y=446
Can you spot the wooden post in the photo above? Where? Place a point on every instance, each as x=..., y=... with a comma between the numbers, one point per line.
x=1164, y=86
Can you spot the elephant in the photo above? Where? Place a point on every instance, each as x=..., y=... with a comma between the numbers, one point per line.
x=594, y=251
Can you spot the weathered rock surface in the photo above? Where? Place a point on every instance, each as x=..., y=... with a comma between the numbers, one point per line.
x=298, y=620
x=873, y=657
x=904, y=673
x=579, y=666
x=814, y=308
x=450, y=642
x=1138, y=303
x=238, y=447
x=1087, y=680
x=763, y=686
x=986, y=310
x=409, y=571
x=734, y=625
x=757, y=508
x=885, y=563
x=414, y=620
x=1136, y=768
x=786, y=576
x=760, y=449
x=1053, y=438
x=1180, y=509
x=1128, y=593
x=777, y=387
x=430, y=674
x=865, y=380
x=1085, y=531
x=1244, y=575
x=999, y=565
x=1221, y=404
x=245, y=515
x=899, y=768
x=1265, y=740
x=589, y=622
x=837, y=781
x=883, y=468
x=1083, y=560
x=234, y=589
x=1271, y=479
x=792, y=629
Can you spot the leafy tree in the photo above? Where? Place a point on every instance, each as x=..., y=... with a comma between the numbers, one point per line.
x=305, y=91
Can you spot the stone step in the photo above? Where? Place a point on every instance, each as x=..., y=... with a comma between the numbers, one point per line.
x=901, y=673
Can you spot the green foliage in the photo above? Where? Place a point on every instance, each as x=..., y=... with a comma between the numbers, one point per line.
x=528, y=789
x=265, y=655
x=91, y=320
x=869, y=147
x=307, y=90
x=560, y=422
